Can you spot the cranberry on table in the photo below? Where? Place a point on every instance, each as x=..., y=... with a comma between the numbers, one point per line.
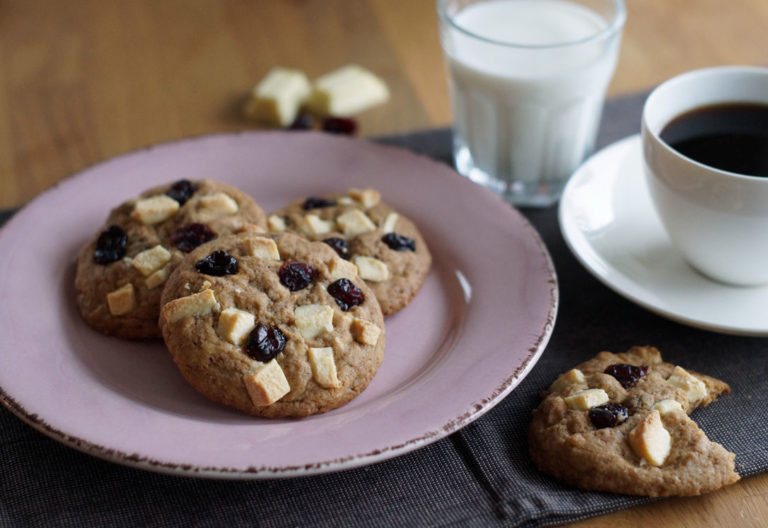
x=181, y=191
x=264, y=342
x=188, y=237
x=399, y=242
x=339, y=245
x=608, y=415
x=628, y=375
x=340, y=125
x=295, y=275
x=346, y=294
x=314, y=202
x=218, y=263
x=110, y=246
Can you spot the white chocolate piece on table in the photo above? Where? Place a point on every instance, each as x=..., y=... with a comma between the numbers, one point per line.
x=650, y=440
x=219, y=203
x=355, y=222
x=151, y=260
x=196, y=304
x=347, y=91
x=371, y=269
x=323, y=367
x=122, y=300
x=364, y=332
x=586, y=399
x=693, y=387
x=235, y=325
x=277, y=98
x=155, y=209
x=266, y=383
x=313, y=319
x=263, y=248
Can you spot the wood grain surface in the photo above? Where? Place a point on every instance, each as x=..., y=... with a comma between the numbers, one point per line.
x=81, y=81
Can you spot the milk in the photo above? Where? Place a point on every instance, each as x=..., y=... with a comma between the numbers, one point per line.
x=526, y=115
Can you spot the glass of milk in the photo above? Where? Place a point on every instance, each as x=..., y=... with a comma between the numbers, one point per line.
x=528, y=81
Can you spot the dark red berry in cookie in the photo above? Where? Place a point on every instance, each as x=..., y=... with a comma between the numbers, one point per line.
x=399, y=242
x=340, y=125
x=627, y=374
x=608, y=415
x=188, y=237
x=181, y=191
x=339, y=245
x=218, y=263
x=316, y=203
x=346, y=294
x=110, y=246
x=295, y=275
x=303, y=121
x=264, y=342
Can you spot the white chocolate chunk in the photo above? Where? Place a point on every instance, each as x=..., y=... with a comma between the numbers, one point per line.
x=355, y=222
x=122, y=300
x=650, y=440
x=266, y=383
x=235, y=325
x=157, y=278
x=155, y=209
x=278, y=96
x=586, y=399
x=365, y=197
x=263, y=248
x=371, y=269
x=347, y=91
x=388, y=226
x=276, y=223
x=345, y=200
x=666, y=406
x=364, y=332
x=341, y=269
x=323, y=367
x=220, y=204
x=693, y=387
x=151, y=260
x=314, y=225
x=569, y=378
x=201, y=303
x=313, y=319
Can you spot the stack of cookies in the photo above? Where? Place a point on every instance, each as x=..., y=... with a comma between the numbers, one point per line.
x=279, y=316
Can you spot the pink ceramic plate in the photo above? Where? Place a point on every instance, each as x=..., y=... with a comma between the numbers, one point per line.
x=474, y=331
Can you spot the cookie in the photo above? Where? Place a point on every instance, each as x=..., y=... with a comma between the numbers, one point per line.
x=387, y=248
x=122, y=269
x=619, y=423
x=274, y=326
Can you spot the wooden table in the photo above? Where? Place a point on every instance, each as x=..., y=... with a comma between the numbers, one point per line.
x=81, y=81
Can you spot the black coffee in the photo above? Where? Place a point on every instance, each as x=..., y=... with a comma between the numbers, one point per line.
x=731, y=137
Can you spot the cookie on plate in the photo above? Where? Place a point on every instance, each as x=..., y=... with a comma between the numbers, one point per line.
x=619, y=423
x=275, y=326
x=122, y=269
x=387, y=248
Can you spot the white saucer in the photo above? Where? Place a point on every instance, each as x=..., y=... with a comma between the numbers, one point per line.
x=610, y=224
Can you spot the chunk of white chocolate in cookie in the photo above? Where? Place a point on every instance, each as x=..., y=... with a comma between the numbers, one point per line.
x=313, y=319
x=569, y=378
x=323, y=367
x=150, y=260
x=263, y=248
x=347, y=91
x=235, y=325
x=341, y=269
x=157, y=278
x=364, y=332
x=155, y=209
x=266, y=383
x=666, y=406
x=693, y=387
x=586, y=399
x=196, y=304
x=314, y=225
x=371, y=269
x=650, y=440
x=355, y=222
x=388, y=226
x=278, y=96
x=276, y=223
x=365, y=197
x=219, y=204
x=122, y=300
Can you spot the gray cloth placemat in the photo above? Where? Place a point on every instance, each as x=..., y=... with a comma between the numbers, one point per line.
x=479, y=476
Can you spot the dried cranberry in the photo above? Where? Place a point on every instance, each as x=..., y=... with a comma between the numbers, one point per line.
x=339, y=245
x=608, y=415
x=110, y=246
x=264, y=342
x=181, y=191
x=303, y=121
x=346, y=294
x=399, y=242
x=340, y=125
x=626, y=374
x=218, y=263
x=188, y=237
x=316, y=203
x=295, y=275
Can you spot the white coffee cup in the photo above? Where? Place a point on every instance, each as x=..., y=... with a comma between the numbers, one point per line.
x=717, y=219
